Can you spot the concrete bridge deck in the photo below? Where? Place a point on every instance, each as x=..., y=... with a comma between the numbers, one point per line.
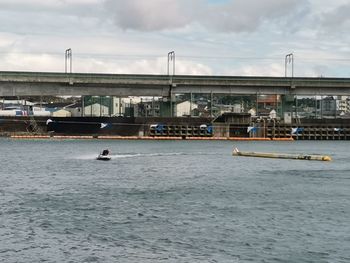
x=76, y=84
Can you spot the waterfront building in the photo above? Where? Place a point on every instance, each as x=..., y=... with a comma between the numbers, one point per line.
x=185, y=108
x=343, y=104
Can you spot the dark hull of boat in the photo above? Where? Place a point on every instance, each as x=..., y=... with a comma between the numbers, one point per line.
x=103, y=158
x=116, y=126
x=90, y=125
x=120, y=126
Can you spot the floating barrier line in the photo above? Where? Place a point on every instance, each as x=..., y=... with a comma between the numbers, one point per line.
x=306, y=157
x=115, y=137
x=248, y=139
x=283, y=139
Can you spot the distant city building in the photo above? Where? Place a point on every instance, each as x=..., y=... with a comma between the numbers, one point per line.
x=343, y=104
x=327, y=107
x=266, y=103
x=61, y=113
x=103, y=106
x=273, y=114
x=252, y=112
x=185, y=108
x=15, y=107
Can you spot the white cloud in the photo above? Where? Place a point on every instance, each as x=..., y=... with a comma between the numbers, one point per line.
x=34, y=4
x=249, y=15
x=30, y=62
x=6, y=40
x=230, y=16
x=337, y=18
x=152, y=15
x=84, y=64
x=270, y=69
x=134, y=36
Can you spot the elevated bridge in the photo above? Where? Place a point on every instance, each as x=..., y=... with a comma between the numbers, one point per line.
x=122, y=85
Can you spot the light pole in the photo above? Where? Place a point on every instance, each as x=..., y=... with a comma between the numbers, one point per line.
x=68, y=56
x=289, y=59
x=171, y=57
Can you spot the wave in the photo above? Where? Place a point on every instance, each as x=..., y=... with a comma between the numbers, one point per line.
x=129, y=155
x=142, y=155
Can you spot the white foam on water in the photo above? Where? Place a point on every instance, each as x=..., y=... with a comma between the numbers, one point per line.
x=85, y=157
x=138, y=155
x=128, y=155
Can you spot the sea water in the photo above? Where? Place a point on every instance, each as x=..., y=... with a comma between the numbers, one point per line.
x=172, y=201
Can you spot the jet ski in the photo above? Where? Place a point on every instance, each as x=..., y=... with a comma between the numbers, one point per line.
x=104, y=156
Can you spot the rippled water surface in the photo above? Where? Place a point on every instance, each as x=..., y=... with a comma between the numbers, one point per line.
x=172, y=201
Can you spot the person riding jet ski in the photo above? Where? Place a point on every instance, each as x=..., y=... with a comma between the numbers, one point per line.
x=105, y=152
x=104, y=156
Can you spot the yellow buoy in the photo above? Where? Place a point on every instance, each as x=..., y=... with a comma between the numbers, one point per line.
x=307, y=157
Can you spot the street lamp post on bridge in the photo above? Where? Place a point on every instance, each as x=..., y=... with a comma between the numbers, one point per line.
x=289, y=59
x=68, y=56
x=171, y=57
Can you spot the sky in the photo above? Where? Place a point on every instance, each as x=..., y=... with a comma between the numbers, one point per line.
x=209, y=37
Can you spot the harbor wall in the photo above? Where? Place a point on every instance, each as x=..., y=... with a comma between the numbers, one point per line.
x=115, y=126
x=187, y=127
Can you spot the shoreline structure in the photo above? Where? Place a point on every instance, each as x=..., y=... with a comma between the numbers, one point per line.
x=233, y=127
x=69, y=137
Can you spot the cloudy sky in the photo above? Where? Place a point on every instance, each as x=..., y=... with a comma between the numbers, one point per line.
x=209, y=37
